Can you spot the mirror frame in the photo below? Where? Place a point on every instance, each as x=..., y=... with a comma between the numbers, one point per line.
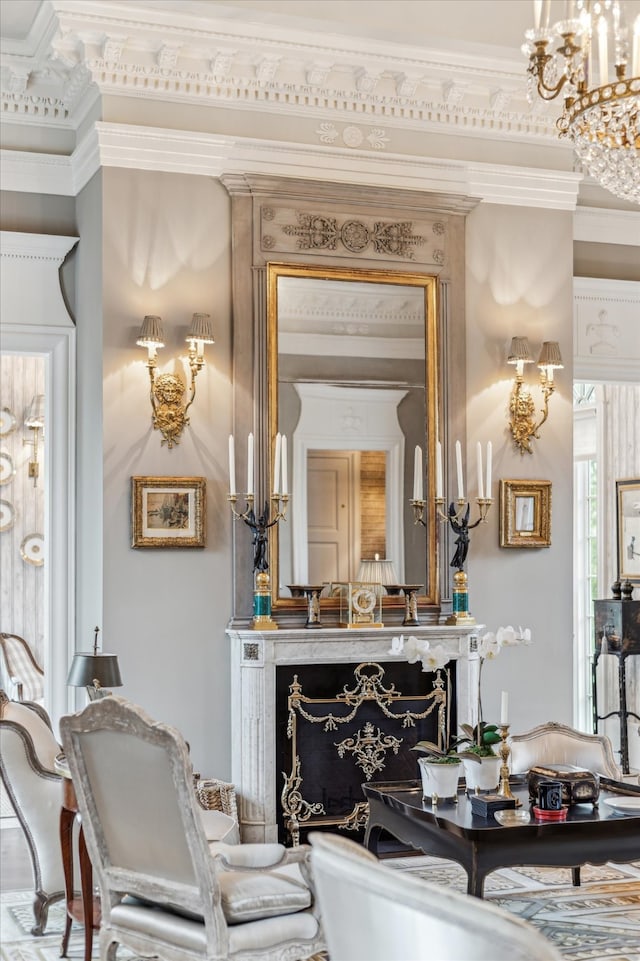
x=430, y=287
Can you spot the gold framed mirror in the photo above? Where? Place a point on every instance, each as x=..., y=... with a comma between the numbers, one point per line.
x=353, y=384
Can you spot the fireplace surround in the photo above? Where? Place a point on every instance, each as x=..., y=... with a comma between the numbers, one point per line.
x=255, y=660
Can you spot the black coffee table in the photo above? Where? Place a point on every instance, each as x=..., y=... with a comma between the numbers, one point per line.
x=451, y=830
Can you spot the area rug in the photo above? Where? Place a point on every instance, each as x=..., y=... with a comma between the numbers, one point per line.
x=598, y=921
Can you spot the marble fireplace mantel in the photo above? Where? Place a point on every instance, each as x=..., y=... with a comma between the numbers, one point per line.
x=254, y=659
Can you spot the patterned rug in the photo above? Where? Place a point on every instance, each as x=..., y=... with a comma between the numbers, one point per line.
x=599, y=921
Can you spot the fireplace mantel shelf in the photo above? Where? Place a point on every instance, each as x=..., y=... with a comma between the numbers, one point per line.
x=255, y=655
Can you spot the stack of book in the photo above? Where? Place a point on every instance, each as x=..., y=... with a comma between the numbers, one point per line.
x=485, y=804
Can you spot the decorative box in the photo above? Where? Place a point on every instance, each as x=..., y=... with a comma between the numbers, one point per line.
x=579, y=786
x=618, y=622
x=486, y=804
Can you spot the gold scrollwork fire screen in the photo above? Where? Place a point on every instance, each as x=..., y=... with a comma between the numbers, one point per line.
x=372, y=715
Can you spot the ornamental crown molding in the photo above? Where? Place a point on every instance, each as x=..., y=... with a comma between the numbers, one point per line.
x=171, y=54
x=460, y=185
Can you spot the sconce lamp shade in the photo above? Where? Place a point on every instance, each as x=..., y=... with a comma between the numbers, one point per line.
x=87, y=669
x=550, y=355
x=519, y=351
x=35, y=413
x=151, y=333
x=377, y=571
x=201, y=329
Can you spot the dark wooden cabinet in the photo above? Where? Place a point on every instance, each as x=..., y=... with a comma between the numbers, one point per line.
x=617, y=632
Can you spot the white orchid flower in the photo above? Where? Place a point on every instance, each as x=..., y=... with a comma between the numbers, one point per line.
x=509, y=636
x=506, y=636
x=397, y=645
x=489, y=645
x=436, y=658
x=414, y=649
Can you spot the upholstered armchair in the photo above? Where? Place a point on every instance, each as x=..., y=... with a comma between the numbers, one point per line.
x=372, y=911
x=22, y=676
x=165, y=889
x=555, y=743
x=27, y=752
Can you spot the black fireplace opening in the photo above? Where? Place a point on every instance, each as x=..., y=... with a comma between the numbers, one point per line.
x=339, y=725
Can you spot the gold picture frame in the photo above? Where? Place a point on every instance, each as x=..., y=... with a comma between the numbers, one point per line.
x=168, y=511
x=525, y=513
x=628, y=528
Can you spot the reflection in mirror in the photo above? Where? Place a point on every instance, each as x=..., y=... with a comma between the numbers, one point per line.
x=352, y=384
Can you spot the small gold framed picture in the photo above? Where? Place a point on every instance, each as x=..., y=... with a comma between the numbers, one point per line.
x=525, y=513
x=628, y=517
x=168, y=511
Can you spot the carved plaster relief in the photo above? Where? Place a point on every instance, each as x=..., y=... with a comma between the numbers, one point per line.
x=606, y=329
x=287, y=230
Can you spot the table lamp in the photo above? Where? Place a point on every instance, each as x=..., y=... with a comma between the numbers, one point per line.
x=96, y=671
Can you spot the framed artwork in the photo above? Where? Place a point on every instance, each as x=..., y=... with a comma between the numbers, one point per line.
x=525, y=513
x=168, y=511
x=628, y=516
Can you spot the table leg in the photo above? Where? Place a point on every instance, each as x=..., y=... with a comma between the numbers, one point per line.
x=475, y=878
x=371, y=838
x=86, y=881
x=575, y=877
x=66, y=839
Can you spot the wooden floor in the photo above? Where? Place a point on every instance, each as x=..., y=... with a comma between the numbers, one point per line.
x=15, y=864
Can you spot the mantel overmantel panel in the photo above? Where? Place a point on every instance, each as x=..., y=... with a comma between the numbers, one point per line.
x=254, y=659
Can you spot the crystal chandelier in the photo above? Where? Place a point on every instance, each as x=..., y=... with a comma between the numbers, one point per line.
x=593, y=58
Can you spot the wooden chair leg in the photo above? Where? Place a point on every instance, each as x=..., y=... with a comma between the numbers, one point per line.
x=575, y=877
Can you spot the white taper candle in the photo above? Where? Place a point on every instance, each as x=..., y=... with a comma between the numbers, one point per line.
x=479, y=466
x=276, y=465
x=504, y=708
x=459, y=470
x=417, y=474
x=250, y=464
x=602, y=51
x=438, y=469
x=232, y=465
x=285, y=469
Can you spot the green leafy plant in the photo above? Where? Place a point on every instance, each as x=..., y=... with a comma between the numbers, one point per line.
x=480, y=739
x=437, y=755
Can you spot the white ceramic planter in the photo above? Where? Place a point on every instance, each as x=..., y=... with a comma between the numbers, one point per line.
x=439, y=780
x=483, y=775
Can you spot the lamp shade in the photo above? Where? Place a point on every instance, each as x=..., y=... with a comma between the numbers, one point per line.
x=201, y=329
x=151, y=333
x=87, y=669
x=35, y=413
x=550, y=355
x=377, y=571
x=519, y=351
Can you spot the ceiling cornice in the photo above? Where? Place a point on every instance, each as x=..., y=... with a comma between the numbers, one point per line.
x=173, y=55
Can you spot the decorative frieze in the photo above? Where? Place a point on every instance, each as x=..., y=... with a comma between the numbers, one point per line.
x=286, y=230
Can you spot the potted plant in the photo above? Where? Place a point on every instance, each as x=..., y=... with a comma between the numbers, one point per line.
x=440, y=770
x=481, y=763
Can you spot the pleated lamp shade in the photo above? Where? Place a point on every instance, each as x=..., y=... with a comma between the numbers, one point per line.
x=201, y=329
x=519, y=351
x=151, y=333
x=377, y=571
x=550, y=355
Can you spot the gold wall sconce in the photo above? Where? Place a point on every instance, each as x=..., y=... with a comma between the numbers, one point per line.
x=34, y=422
x=167, y=390
x=521, y=405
